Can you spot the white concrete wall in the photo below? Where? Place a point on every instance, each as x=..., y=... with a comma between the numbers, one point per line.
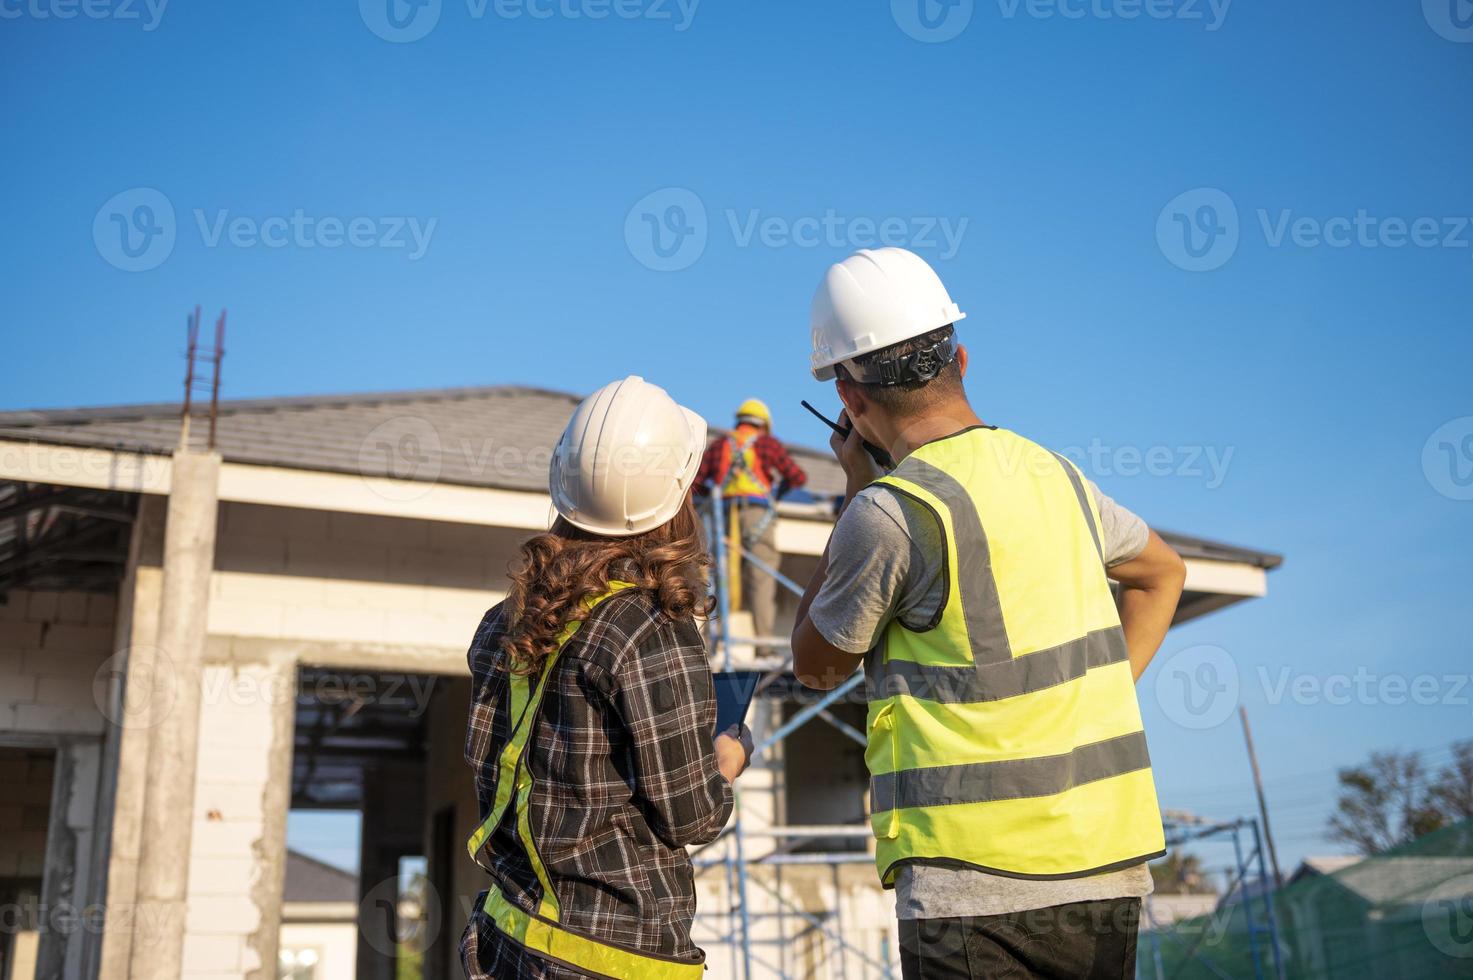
x=335, y=943
x=311, y=587
x=233, y=880
x=344, y=579
x=52, y=645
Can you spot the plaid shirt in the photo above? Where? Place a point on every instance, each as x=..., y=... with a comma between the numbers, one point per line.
x=773, y=462
x=624, y=777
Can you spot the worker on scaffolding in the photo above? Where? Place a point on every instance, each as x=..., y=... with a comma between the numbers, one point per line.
x=1011, y=793
x=754, y=471
x=592, y=713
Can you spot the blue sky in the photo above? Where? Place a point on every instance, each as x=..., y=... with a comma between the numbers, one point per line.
x=476, y=206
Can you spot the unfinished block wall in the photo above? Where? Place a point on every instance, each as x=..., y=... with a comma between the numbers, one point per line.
x=52, y=645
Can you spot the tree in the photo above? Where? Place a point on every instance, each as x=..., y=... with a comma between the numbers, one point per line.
x=1385, y=802
x=1453, y=790
x=1181, y=874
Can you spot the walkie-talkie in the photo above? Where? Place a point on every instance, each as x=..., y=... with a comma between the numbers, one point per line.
x=881, y=458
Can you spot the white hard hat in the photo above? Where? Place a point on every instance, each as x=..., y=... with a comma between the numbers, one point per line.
x=874, y=299
x=626, y=459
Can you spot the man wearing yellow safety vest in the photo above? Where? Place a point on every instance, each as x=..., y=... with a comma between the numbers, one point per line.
x=754, y=471
x=1011, y=793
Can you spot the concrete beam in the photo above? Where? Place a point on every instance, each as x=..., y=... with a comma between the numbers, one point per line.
x=312, y=490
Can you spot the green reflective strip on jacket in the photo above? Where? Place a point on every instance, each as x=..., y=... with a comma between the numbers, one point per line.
x=1006, y=734
x=523, y=709
x=586, y=954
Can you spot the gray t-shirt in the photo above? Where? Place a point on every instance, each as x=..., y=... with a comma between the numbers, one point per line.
x=884, y=564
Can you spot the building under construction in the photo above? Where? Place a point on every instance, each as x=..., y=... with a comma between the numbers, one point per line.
x=195, y=641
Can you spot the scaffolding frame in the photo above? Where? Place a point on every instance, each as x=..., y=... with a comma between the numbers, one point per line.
x=735, y=858
x=1182, y=829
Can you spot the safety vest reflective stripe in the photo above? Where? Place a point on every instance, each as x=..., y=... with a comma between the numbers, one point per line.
x=580, y=951
x=1010, y=779
x=1005, y=733
x=522, y=709
x=541, y=932
x=992, y=682
x=1084, y=502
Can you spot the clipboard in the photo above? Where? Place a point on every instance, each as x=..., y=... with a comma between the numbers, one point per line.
x=734, y=691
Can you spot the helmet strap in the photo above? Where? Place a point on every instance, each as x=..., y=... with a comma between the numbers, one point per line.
x=918, y=366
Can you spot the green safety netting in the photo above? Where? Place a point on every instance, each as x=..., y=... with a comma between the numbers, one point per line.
x=1406, y=913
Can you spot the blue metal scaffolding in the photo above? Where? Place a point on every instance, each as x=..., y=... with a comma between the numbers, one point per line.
x=737, y=859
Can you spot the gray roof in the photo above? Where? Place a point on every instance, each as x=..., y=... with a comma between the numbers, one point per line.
x=497, y=436
x=494, y=436
x=311, y=880
x=1410, y=879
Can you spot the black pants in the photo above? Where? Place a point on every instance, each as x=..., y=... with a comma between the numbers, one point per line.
x=1094, y=940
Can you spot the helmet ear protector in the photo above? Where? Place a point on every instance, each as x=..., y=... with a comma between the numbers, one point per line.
x=916, y=367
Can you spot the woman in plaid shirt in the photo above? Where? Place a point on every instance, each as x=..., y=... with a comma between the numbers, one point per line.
x=592, y=690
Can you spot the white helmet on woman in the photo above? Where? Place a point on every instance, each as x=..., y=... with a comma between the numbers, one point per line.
x=874, y=299
x=626, y=460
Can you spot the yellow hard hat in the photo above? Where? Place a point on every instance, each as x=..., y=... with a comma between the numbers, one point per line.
x=755, y=408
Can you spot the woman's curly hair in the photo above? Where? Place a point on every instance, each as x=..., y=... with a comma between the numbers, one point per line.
x=557, y=572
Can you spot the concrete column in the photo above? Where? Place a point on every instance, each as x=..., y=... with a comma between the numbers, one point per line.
x=129, y=711
x=163, y=865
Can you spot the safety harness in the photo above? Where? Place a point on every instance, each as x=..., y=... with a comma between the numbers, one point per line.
x=541, y=931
